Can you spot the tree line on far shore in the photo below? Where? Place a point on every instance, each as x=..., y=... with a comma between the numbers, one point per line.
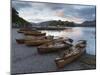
x=68, y=24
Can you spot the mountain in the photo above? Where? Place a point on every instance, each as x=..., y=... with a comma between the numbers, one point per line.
x=89, y=23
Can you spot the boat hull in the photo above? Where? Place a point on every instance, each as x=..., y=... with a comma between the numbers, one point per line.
x=20, y=41
x=36, y=42
x=60, y=63
x=35, y=33
x=52, y=49
x=74, y=53
x=22, y=30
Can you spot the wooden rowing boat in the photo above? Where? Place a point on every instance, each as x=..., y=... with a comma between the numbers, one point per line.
x=37, y=42
x=20, y=41
x=34, y=33
x=61, y=39
x=22, y=30
x=53, y=46
x=37, y=39
x=28, y=38
x=69, y=56
x=28, y=31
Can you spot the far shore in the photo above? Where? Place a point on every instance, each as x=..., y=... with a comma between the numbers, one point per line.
x=50, y=28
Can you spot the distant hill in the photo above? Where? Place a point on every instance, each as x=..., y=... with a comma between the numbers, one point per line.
x=89, y=23
x=66, y=23
x=56, y=23
x=47, y=23
x=18, y=21
x=34, y=24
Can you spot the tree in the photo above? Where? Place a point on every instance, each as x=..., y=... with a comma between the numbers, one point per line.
x=14, y=15
x=16, y=19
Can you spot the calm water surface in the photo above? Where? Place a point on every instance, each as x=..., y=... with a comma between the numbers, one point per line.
x=77, y=33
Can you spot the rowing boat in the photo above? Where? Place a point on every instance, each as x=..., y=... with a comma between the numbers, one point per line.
x=34, y=33
x=20, y=41
x=22, y=30
x=53, y=46
x=69, y=56
x=37, y=42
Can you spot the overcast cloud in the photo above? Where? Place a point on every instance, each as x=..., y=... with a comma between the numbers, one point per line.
x=38, y=12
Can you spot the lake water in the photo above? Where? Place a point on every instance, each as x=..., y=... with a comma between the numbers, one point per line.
x=77, y=33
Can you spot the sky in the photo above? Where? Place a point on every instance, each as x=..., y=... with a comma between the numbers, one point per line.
x=40, y=11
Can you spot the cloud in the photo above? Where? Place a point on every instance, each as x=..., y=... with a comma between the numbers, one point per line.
x=20, y=4
x=39, y=11
x=60, y=13
x=82, y=12
x=88, y=13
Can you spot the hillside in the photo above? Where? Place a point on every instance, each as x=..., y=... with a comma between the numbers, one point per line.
x=56, y=23
x=18, y=21
x=89, y=23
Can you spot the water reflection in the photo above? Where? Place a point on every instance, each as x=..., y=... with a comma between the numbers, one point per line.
x=77, y=33
x=72, y=33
